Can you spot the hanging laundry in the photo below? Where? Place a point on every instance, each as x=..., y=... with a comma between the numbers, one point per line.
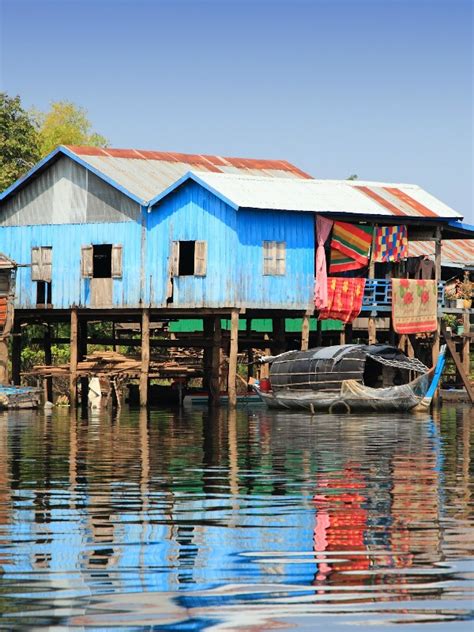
x=425, y=269
x=414, y=306
x=342, y=263
x=350, y=247
x=344, y=299
x=323, y=228
x=390, y=244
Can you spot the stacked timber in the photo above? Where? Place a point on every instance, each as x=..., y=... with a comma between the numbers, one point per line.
x=114, y=364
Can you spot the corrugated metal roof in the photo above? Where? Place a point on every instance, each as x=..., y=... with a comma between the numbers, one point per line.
x=323, y=196
x=453, y=251
x=6, y=262
x=147, y=173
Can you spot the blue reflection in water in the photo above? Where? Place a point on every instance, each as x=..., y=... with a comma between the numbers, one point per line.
x=186, y=520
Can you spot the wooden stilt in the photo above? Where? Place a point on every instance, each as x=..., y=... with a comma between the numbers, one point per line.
x=319, y=334
x=234, y=348
x=48, y=359
x=208, y=326
x=466, y=343
x=215, y=381
x=342, y=335
x=349, y=333
x=4, y=377
x=250, y=367
x=436, y=336
x=459, y=365
x=265, y=368
x=16, y=352
x=82, y=346
x=279, y=341
x=73, y=359
x=305, y=333
x=145, y=364
x=372, y=330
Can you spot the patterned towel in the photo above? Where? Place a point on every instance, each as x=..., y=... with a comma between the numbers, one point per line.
x=350, y=247
x=344, y=299
x=390, y=244
x=414, y=306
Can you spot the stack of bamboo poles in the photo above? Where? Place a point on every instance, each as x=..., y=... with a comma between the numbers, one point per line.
x=111, y=363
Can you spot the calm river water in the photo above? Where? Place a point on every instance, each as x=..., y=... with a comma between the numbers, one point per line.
x=251, y=520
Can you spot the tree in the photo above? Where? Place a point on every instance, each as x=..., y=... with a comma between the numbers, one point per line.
x=19, y=149
x=65, y=124
x=354, y=176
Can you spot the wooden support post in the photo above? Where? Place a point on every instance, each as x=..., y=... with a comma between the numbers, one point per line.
x=372, y=330
x=305, y=333
x=349, y=333
x=74, y=357
x=319, y=333
x=215, y=381
x=4, y=361
x=466, y=345
x=82, y=347
x=234, y=348
x=48, y=359
x=208, y=327
x=342, y=335
x=265, y=368
x=250, y=367
x=145, y=364
x=279, y=340
x=436, y=336
x=16, y=352
x=459, y=365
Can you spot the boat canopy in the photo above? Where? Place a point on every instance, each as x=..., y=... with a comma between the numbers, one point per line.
x=325, y=368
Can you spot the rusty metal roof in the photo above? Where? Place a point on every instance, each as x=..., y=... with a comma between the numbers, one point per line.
x=459, y=252
x=6, y=262
x=147, y=173
x=396, y=201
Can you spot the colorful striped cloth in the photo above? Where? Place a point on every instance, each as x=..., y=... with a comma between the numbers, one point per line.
x=390, y=244
x=344, y=299
x=354, y=243
x=414, y=306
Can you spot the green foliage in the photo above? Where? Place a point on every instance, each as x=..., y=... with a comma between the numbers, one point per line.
x=65, y=124
x=19, y=149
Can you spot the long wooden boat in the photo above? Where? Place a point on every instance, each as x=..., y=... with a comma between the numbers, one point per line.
x=19, y=397
x=347, y=378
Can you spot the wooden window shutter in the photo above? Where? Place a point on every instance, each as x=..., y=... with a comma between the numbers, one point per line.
x=36, y=264
x=280, y=263
x=174, y=259
x=46, y=255
x=200, y=258
x=117, y=271
x=87, y=261
x=269, y=257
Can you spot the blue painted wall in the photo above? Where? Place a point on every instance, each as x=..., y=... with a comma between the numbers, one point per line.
x=66, y=240
x=234, y=255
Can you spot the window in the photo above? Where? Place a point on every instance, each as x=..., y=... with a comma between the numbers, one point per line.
x=102, y=261
x=41, y=273
x=189, y=258
x=274, y=257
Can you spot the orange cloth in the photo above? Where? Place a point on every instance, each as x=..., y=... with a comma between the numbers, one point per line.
x=344, y=299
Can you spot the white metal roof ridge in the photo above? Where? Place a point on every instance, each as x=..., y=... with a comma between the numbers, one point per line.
x=320, y=196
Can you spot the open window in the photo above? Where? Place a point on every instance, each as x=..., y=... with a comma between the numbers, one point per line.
x=274, y=257
x=41, y=273
x=189, y=258
x=102, y=261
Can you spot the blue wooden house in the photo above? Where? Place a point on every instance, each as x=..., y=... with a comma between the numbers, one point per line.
x=105, y=231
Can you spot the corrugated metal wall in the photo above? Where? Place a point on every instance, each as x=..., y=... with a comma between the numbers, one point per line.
x=234, y=254
x=68, y=288
x=234, y=275
x=67, y=193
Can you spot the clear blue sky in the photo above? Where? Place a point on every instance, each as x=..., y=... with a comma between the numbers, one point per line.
x=380, y=88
